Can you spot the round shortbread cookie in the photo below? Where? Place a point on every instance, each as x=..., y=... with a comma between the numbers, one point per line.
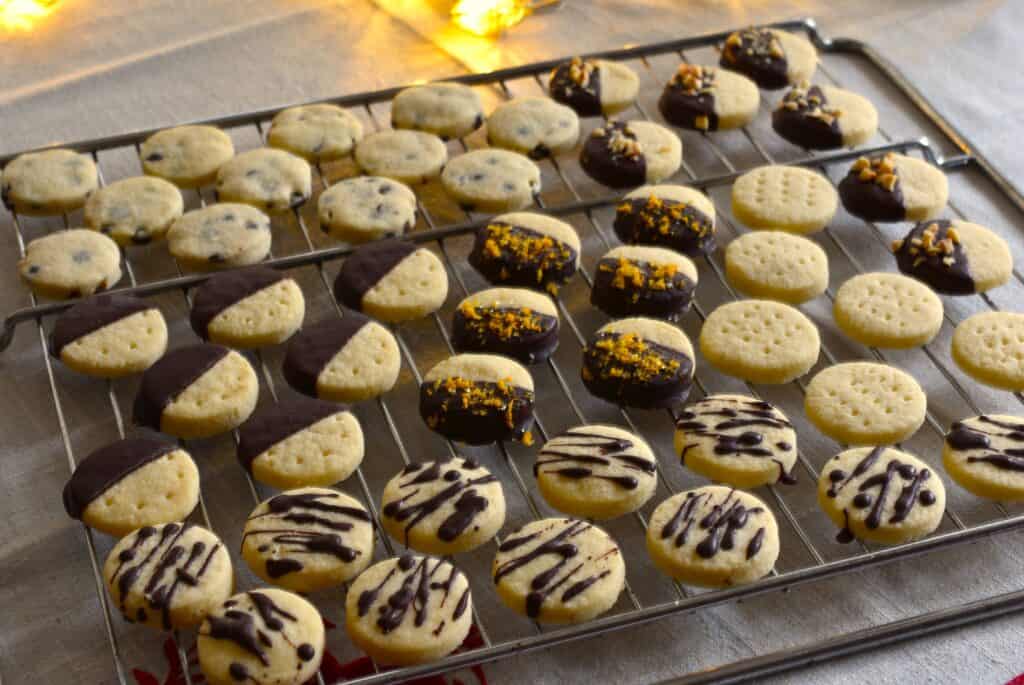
x=169, y=576
x=772, y=58
x=366, y=208
x=409, y=610
x=624, y=154
x=881, y=494
x=308, y=539
x=534, y=126
x=989, y=347
x=594, y=87
x=703, y=98
x=863, y=403
x=133, y=483
x=761, y=341
x=443, y=507
x=713, y=537
x=265, y=635
x=187, y=156
x=317, y=133
x=738, y=440
x=392, y=280
x=109, y=336
x=478, y=399
x=514, y=322
x=825, y=117
x=671, y=216
x=246, y=308
x=70, y=263
x=526, y=249
x=267, y=178
x=596, y=472
x=887, y=310
x=635, y=280
x=134, y=211
x=985, y=455
x=638, y=362
x=220, y=236
x=196, y=392
x=301, y=442
x=346, y=359
x=954, y=257
x=776, y=265
x=491, y=180
x=411, y=157
x=893, y=187
x=48, y=182
x=785, y=198
x=559, y=570
x=448, y=110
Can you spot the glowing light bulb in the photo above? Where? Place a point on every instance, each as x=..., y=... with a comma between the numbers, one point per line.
x=489, y=17
x=22, y=15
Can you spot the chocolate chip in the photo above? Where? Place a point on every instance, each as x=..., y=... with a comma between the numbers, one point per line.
x=216, y=258
x=509, y=186
x=412, y=155
x=106, y=228
x=523, y=130
x=154, y=157
x=479, y=121
x=34, y=269
x=252, y=225
x=384, y=190
x=477, y=177
x=297, y=198
x=141, y=236
x=252, y=172
x=81, y=257
x=228, y=217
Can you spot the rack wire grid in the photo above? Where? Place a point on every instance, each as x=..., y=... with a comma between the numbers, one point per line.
x=397, y=436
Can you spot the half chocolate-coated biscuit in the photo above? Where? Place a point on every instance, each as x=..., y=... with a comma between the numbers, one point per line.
x=246, y=308
x=611, y=155
x=514, y=322
x=392, y=280
x=526, y=249
x=671, y=216
x=757, y=53
x=872, y=189
x=107, y=466
x=634, y=280
x=807, y=118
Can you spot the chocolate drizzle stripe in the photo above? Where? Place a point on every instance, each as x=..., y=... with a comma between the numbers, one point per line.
x=91, y=315
x=276, y=423
x=106, y=467
x=594, y=455
x=315, y=346
x=365, y=268
x=416, y=576
x=226, y=289
x=964, y=438
x=719, y=525
x=171, y=376
x=242, y=628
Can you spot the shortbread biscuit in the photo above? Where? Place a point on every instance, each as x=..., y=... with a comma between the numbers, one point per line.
x=713, y=537
x=491, y=180
x=448, y=110
x=220, y=236
x=264, y=636
x=411, y=157
x=347, y=359
x=594, y=87
x=169, y=576
x=824, y=117
x=954, y=257
x=187, y=156
x=635, y=280
x=893, y=187
x=785, y=198
x=317, y=133
x=760, y=341
x=596, y=472
x=134, y=211
x=624, y=154
x=72, y=263
x=989, y=347
x=308, y=539
x=270, y=179
x=366, y=208
x=109, y=336
x=196, y=392
x=864, y=403
x=133, y=483
x=392, y=280
x=535, y=126
x=526, y=249
x=985, y=455
x=514, y=322
x=246, y=308
x=887, y=310
x=671, y=216
x=443, y=507
x=772, y=58
x=409, y=610
x=703, y=98
x=299, y=442
x=881, y=494
x=738, y=440
x=48, y=182
x=776, y=265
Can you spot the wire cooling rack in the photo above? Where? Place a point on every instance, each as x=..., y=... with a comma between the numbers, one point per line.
x=396, y=436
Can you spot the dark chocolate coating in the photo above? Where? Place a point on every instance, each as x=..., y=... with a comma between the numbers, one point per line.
x=107, y=466
x=314, y=347
x=625, y=383
x=419, y=578
x=225, y=289
x=949, y=279
x=718, y=528
x=682, y=108
x=548, y=264
x=871, y=202
x=609, y=167
x=485, y=333
x=171, y=376
x=809, y=132
x=752, y=58
x=623, y=297
x=267, y=427
x=586, y=101
x=90, y=315
x=458, y=415
x=658, y=221
x=365, y=268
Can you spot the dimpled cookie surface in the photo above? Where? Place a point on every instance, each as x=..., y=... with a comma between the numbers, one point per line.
x=990, y=348
x=776, y=265
x=784, y=198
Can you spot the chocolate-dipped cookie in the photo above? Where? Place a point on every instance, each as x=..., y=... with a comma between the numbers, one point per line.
x=639, y=362
x=634, y=280
x=893, y=187
x=824, y=118
x=594, y=87
x=392, y=280
x=954, y=257
x=526, y=249
x=624, y=154
x=703, y=98
x=772, y=58
x=672, y=216
x=514, y=322
x=251, y=307
x=478, y=399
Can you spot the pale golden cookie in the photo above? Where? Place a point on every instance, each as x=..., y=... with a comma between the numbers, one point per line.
x=187, y=156
x=411, y=157
x=784, y=198
x=109, y=336
x=760, y=341
x=48, y=182
x=989, y=347
x=887, y=310
x=863, y=403
x=776, y=265
x=70, y=263
x=270, y=179
x=492, y=180
x=134, y=211
x=366, y=208
x=248, y=308
x=881, y=494
x=535, y=126
x=954, y=257
x=448, y=110
x=220, y=236
x=985, y=455
x=317, y=133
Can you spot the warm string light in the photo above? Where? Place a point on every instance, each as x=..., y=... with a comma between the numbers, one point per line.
x=22, y=15
x=489, y=17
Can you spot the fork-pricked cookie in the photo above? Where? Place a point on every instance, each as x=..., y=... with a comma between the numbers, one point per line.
x=514, y=322
x=776, y=265
x=954, y=257
x=366, y=208
x=893, y=187
x=594, y=87
x=187, y=156
x=317, y=133
x=48, y=182
x=703, y=98
x=392, y=280
x=672, y=216
x=535, y=126
x=824, y=117
x=989, y=347
x=448, y=110
x=134, y=211
x=887, y=310
x=246, y=308
x=70, y=263
x=772, y=58
x=784, y=198
x=624, y=154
